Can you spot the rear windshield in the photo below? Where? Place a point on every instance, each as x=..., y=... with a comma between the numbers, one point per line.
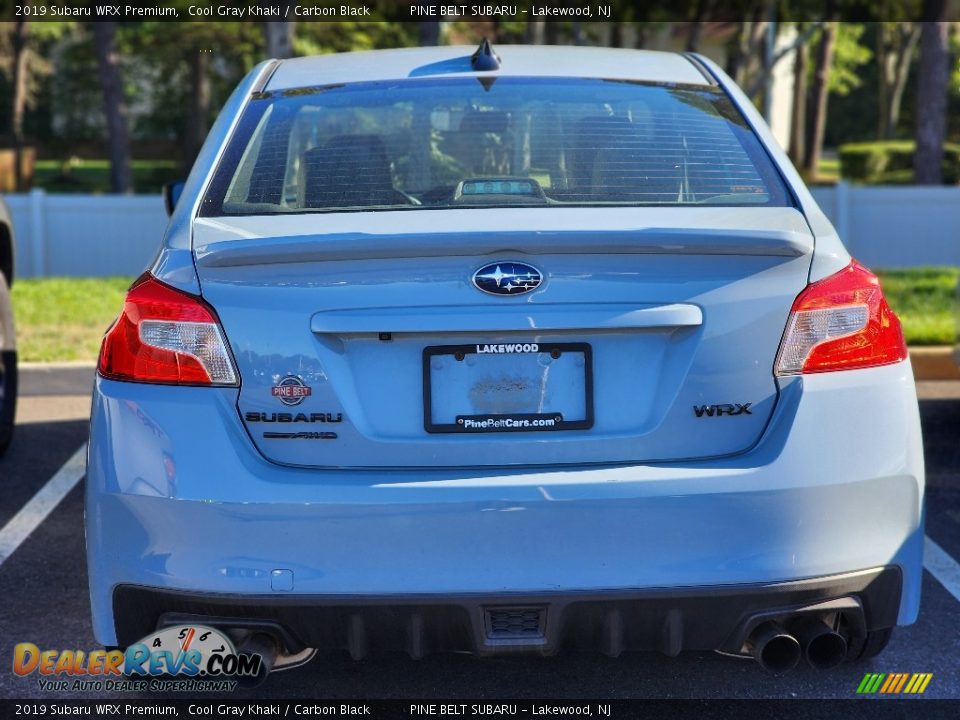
x=485, y=142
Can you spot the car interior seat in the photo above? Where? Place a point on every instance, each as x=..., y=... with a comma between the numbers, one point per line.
x=348, y=171
x=613, y=161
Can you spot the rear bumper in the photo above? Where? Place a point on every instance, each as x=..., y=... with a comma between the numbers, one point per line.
x=180, y=506
x=669, y=620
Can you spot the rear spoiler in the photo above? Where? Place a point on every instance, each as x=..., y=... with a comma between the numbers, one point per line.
x=362, y=246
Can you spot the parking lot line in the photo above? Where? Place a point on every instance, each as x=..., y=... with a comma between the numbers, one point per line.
x=943, y=567
x=40, y=505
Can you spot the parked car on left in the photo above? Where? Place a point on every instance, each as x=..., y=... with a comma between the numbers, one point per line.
x=8, y=345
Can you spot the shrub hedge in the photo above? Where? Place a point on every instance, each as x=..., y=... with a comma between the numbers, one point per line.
x=891, y=162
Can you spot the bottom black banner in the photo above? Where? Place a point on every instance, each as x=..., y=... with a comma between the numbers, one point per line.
x=868, y=709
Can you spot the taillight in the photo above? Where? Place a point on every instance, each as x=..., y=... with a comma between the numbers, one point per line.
x=841, y=322
x=164, y=335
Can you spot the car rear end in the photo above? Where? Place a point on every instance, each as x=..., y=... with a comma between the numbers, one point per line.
x=505, y=362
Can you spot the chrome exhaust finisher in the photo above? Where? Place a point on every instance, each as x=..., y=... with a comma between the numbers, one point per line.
x=774, y=648
x=823, y=647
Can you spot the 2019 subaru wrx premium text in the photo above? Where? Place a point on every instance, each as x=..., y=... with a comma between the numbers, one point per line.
x=508, y=351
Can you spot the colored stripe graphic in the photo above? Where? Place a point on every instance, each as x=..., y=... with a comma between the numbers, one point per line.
x=892, y=680
x=894, y=683
x=918, y=683
x=870, y=683
x=903, y=681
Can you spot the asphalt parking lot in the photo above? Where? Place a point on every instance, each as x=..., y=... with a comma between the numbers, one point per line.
x=43, y=599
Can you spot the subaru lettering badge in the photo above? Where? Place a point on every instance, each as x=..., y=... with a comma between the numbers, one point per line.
x=507, y=278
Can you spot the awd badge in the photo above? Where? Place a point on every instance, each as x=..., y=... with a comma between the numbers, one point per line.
x=291, y=390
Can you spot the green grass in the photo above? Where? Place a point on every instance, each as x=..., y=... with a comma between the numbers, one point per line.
x=61, y=319
x=93, y=176
x=925, y=299
x=64, y=318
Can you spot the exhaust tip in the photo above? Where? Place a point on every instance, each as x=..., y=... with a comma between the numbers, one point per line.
x=267, y=648
x=824, y=647
x=827, y=651
x=774, y=648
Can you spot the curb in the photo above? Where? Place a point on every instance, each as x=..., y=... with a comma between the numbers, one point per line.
x=63, y=378
x=935, y=363
x=76, y=378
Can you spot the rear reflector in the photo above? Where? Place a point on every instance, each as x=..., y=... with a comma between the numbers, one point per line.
x=841, y=322
x=164, y=335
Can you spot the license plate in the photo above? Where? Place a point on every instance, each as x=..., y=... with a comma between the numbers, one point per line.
x=507, y=387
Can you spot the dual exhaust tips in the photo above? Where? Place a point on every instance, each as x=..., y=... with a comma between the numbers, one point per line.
x=779, y=650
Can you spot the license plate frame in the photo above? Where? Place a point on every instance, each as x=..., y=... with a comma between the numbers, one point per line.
x=507, y=425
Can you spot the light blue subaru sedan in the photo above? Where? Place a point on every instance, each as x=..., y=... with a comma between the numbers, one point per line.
x=513, y=350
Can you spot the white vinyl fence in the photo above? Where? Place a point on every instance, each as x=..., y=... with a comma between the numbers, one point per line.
x=895, y=226
x=85, y=235
x=99, y=235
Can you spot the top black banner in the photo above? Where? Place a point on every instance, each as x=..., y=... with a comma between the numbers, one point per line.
x=567, y=11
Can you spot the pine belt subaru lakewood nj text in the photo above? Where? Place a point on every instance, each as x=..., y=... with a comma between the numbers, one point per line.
x=506, y=351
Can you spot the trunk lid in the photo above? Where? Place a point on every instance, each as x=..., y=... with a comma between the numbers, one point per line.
x=361, y=340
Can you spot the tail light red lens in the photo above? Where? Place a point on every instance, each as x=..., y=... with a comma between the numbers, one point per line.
x=164, y=335
x=841, y=322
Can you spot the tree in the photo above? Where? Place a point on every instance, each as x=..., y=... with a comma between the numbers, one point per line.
x=429, y=32
x=798, y=111
x=199, y=107
x=114, y=105
x=849, y=56
x=817, y=97
x=278, y=35
x=749, y=36
x=701, y=11
x=931, y=108
x=18, y=97
x=24, y=49
x=536, y=32
x=349, y=35
x=896, y=43
x=192, y=67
